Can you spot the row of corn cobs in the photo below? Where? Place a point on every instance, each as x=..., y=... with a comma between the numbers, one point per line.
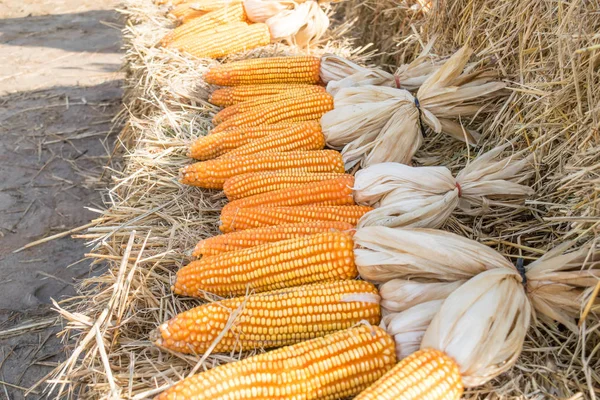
x=286, y=262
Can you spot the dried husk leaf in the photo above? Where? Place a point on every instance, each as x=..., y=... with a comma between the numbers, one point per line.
x=424, y=197
x=398, y=294
x=262, y=10
x=383, y=253
x=482, y=325
x=408, y=327
x=390, y=119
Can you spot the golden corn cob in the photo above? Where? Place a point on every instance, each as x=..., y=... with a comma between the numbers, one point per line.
x=213, y=173
x=425, y=375
x=255, y=237
x=273, y=319
x=212, y=146
x=245, y=106
x=247, y=218
x=255, y=183
x=306, y=108
x=232, y=41
x=190, y=42
x=229, y=96
x=221, y=16
x=332, y=192
x=321, y=257
x=260, y=71
x=188, y=10
x=336, y=366
x=305, y=136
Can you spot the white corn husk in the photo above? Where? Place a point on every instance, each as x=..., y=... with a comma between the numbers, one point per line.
x=377, y=124
x=482, y=325
x=424, y=197
x=300, y=22
x=399, y=295
x=408, y=327
x=383, y=253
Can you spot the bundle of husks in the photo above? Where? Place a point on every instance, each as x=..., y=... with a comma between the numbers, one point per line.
x=217, y=29
x=457, y=309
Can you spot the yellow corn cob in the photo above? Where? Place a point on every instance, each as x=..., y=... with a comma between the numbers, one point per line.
x=306, y=108
x=213, y=173
x=188, y=10
x=306, y=136
x=272, y=319
x=336, y=366
x=190, y=42
x=302, y=69
x=212, y=146
x=221, y=16
x=229, y=96
x=255, y=237
x=232, y=41
x=333, y=192
x=247, y=218
x=425, y=375
x=320, y=257
x=245, y=106
x=255, y=183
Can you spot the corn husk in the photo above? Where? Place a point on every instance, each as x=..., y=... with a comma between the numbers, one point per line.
x=399, y=295
x=338, y=72
x=393, y=131
x=424, y=197
x=408, y=327
x=482, y=325
x=384, y=253
x=298, y=22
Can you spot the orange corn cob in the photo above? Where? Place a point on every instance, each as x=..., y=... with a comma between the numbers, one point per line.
x=425, y=375
x=212, y=174
x=272, y=319
x=295, y=109
x=190, y=42
x=245, y=106
x=316, y=258
x=224, y=15
x=212, y=146
x=229, y=96
x=306, y=136
x=336, y=366
x=255, y=237
x=333, y=192
x=302, y=69
x=232, y=41
x=247, y=218
x=255, y=183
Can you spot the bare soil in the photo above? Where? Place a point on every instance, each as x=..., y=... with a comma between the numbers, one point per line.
x=60, y=88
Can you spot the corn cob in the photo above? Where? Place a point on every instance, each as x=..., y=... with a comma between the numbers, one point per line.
x=272, y=319
x=245, y=106
x=229, y=96
x=336, y=366
x=333, y=192
x=255, y=183
x=247, y=218
x=309, y=107
x=305, y=136
x=212, y=146
x=260, y=71
x=212, y=174
x=189, y=43
x=320, y=257
x=425, y=375
x=255, y=237
x=224, y=15
x=232, y=41
x=188, y=10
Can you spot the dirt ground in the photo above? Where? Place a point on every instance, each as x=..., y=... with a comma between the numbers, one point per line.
x=60, y=88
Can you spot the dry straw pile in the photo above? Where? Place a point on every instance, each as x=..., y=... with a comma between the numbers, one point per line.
x=547, y=51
